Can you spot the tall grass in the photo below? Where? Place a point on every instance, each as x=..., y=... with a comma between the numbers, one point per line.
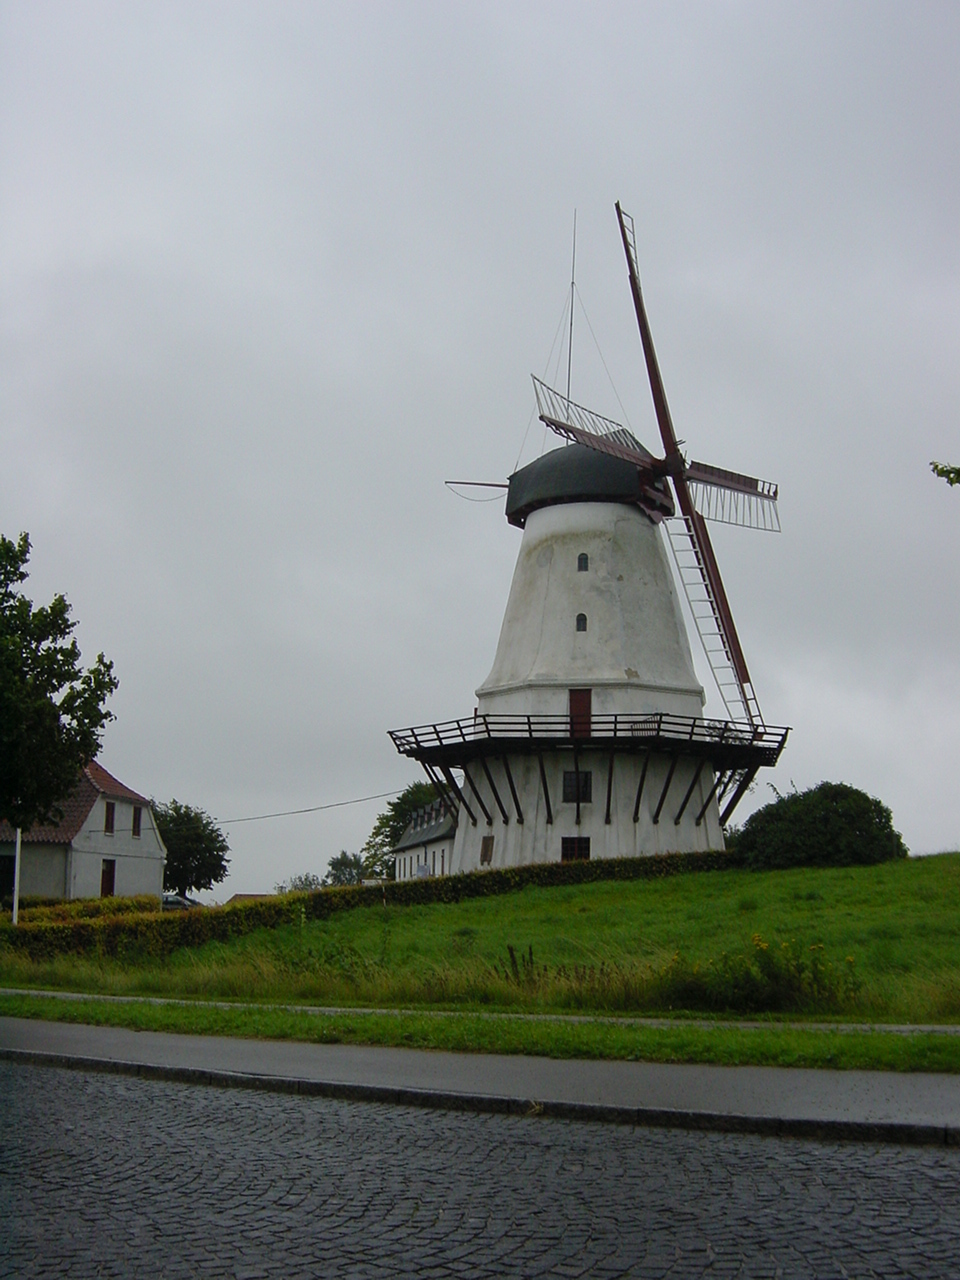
x=781, y=977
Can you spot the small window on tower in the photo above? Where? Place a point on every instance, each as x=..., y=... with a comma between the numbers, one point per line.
x=486, y=851
x=581, y=622
x=583, y=562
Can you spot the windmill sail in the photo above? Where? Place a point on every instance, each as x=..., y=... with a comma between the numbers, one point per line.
x=574, y=422
x=700, y=574
x=731, y=498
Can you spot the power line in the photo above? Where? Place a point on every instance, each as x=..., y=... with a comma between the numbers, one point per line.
x=317, y=808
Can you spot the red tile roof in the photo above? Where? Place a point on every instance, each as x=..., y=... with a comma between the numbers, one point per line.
x=94, y=782
x=110, y=786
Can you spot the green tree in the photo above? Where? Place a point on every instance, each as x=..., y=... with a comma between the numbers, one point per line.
x=305, y=882
x=196, y=847
x=830, y=825
x=52, y=712
x=946, y=472
x=345, y=868
x=390, y=826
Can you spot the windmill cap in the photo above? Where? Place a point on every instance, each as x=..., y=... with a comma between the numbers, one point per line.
x=575, y=473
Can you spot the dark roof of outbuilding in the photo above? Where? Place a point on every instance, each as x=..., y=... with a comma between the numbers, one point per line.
x=94, y=782
x=574, y=473
x=426, y=826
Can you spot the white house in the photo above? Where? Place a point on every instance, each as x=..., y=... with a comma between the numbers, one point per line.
x=426, y=847
x=106, y=843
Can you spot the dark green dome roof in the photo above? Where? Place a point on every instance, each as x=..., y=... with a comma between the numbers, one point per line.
x=578, y=474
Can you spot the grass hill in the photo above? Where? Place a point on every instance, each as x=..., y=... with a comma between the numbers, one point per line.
x=880, y=942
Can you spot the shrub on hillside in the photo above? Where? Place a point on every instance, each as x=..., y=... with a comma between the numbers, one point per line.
x=831, y=825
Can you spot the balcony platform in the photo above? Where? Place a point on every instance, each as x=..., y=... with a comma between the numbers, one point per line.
x=726, y=744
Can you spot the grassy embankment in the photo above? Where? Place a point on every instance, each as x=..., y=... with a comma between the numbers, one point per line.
x=878, y=943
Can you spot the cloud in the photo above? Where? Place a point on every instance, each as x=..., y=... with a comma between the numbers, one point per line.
x=271, y=275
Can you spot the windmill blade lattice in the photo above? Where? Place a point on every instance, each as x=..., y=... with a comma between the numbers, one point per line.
x=583, y=426
x=737, y=695
x=729, y=498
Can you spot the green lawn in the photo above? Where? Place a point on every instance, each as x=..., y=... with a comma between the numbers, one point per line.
x=774, y=1045
x=886, y=940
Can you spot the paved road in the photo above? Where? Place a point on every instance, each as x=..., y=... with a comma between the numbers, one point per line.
x=104, y=1175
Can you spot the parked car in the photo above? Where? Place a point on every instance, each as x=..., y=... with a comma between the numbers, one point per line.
x=176, y=902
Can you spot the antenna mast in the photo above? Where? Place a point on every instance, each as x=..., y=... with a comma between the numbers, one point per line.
x=573, y=286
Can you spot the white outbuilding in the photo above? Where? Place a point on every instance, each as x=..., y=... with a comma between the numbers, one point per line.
x=588, y=739
x=426, y=847
x=106, y=843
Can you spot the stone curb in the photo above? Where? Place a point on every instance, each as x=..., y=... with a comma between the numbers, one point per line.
x=644, y=1117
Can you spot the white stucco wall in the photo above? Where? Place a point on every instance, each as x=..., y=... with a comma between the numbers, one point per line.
x=139, y=861
x=42, y=870
x=634, y=655
x=436, y=855
x=536, y=840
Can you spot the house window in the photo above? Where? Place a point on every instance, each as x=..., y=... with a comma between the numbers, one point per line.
x=442, y=851
x=581, y=622
x=575, y=849
x=108, y=877
x=583, y=562
x=486, y=851
x=109, y=816
x=570, y=778
x=137, y=817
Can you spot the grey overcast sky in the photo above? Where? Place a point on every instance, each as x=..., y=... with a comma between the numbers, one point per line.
x=271, y=273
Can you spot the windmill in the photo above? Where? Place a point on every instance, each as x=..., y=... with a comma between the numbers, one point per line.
x=702, y=492
x=588, y=738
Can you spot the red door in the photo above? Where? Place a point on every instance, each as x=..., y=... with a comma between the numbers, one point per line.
x=580, y=700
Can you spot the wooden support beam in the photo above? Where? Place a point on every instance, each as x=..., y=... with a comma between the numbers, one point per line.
x=441, y=790
x=479, y=797
x=452, y=784
x=496, y=793
x=713, y=791
x=513, y=790
x=738, y=795
x=546, y=789
x=666, y=788
x=609, y=787
x=727, y=784
x=643, y=778
x=686, y=799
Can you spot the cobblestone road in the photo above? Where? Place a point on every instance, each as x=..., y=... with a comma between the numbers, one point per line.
x=110, y=1176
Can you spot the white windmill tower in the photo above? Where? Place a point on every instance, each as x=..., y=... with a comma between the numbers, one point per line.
x=589, y=738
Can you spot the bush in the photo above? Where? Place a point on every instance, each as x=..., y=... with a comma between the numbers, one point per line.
x=60, y=910
x=784, y=978
x=831, y=825
x=158, y=935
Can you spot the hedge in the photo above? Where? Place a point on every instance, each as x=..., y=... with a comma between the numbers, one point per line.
x=157, y=935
